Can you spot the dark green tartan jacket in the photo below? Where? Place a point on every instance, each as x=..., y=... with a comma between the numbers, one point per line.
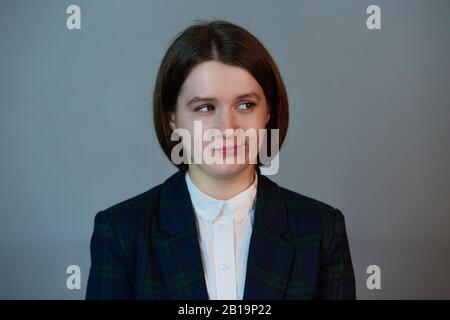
x=147, y=247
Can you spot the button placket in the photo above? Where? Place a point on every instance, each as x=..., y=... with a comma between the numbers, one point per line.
x=225, y=257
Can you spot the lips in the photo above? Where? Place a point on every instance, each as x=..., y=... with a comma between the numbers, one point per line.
x=229, y=150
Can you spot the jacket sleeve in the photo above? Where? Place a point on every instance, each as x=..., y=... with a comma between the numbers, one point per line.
x=108, y=274
x=339, y=278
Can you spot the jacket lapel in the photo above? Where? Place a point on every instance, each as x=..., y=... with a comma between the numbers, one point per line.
x=178, y=251
x=270, y=258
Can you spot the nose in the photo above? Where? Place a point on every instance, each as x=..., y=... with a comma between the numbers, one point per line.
x=227, y=121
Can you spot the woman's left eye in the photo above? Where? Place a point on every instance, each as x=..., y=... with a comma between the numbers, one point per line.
x=247, y=105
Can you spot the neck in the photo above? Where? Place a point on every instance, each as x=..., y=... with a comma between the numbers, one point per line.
x=222, y=188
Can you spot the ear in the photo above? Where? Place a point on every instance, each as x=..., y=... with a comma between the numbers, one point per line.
x=172, y=120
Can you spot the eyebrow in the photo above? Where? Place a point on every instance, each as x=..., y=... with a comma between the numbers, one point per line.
x=209, y=99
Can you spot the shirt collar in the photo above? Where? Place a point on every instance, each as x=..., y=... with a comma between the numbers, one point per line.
x=209, y=208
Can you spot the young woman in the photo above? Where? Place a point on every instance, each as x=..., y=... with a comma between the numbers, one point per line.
x=219, y=230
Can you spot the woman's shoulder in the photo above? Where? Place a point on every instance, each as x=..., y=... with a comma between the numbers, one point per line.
x=307, y=208
x=301, y=201
x=311, y=217
x=132, y=211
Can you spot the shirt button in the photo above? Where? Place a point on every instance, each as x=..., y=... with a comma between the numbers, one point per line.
x=223, y=267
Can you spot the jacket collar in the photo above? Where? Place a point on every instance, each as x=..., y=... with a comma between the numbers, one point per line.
x=236, y=208
x=176, y=209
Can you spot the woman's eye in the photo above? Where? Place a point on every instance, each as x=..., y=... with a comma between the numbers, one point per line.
x=247, y=105
x=205, y=108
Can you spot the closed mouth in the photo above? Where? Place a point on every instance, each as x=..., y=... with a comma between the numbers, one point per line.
x=229, y=150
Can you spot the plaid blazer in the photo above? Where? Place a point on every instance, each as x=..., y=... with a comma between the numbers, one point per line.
x=147, y=247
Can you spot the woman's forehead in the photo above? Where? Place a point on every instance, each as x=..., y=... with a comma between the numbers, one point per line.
x=219, y=80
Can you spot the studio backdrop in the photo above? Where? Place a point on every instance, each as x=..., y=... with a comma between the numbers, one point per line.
x=369, y=128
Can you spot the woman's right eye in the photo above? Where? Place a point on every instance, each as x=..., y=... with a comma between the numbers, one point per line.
x=205, y=108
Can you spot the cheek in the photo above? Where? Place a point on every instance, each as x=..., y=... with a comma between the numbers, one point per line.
x=258, y=122
x=261, y=116
x=189, y=123
x=183, y=120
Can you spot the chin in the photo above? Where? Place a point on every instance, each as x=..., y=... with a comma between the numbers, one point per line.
x=225, y=170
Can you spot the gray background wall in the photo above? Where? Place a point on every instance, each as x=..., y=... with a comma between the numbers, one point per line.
x=369, y=130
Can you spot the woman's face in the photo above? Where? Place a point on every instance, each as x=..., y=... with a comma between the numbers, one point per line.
x=221, y=97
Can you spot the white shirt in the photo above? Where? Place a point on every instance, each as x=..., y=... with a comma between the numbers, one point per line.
x=225, y=228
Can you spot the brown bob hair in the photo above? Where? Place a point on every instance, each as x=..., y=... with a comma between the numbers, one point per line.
x=227, y=43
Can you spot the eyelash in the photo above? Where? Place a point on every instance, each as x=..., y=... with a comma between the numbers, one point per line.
x=250, y=105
